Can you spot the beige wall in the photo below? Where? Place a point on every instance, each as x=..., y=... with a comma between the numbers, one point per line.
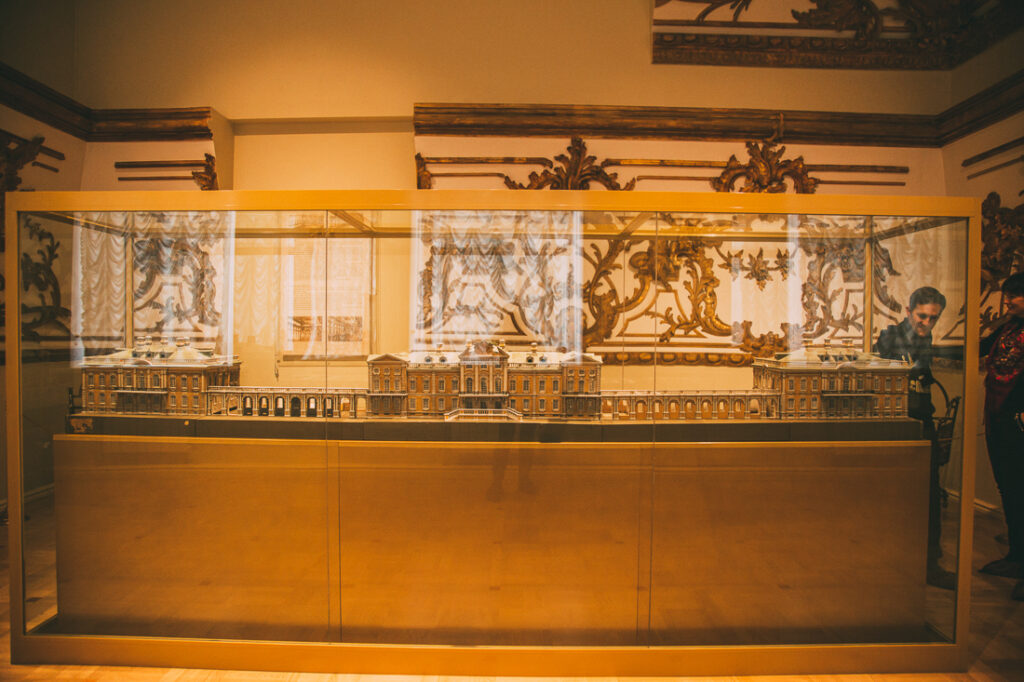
x=325, y=161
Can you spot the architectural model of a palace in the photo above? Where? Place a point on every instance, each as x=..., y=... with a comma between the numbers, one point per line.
x=484, y=381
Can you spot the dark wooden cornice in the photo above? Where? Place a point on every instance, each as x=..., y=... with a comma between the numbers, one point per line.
x=676, y=123
x=665, y=123
x=32, y=98
x=989, y=106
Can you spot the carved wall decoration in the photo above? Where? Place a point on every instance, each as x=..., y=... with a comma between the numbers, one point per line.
x=424, y=179
x=649, y=290
x=575, y=171
x=204, y=175
x=1002, y=253
x=512, y=275
x=863, y=34
x=185, y=261
x=765, y=171
x=44, y=313
x=180, y=274
x=757, y=266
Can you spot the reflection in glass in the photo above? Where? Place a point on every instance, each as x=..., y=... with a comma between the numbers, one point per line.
x=473, y=427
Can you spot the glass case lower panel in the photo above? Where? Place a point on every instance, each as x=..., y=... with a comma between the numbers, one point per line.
x=487, y=543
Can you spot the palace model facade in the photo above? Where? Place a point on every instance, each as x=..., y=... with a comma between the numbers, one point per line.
x=486, y=381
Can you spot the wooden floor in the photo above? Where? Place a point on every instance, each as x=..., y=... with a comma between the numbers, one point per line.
x=996, y=643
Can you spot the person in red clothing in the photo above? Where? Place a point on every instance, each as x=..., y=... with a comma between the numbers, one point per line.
x=1004, y=426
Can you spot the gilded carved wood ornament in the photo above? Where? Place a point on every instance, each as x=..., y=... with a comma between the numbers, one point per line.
x=862, y=34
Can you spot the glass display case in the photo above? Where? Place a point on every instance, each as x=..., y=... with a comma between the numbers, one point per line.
x=491, y=432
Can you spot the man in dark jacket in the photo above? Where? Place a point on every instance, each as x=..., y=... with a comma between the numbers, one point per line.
x=911, y=340
x=1004, y=426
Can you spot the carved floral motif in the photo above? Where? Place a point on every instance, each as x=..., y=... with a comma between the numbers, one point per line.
x=765, y=171
x=575, y=171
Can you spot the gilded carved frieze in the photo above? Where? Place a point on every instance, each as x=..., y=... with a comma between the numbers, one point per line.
x=872, y=34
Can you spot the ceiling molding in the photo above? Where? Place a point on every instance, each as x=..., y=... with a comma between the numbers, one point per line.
x=46, y=105
x=674, y=123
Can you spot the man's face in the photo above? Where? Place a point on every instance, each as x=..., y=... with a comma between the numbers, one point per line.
x=1015, y=305
x=923, y=317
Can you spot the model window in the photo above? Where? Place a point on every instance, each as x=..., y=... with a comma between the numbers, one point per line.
x=789, y=404
x=899, y=383
x=103, y=380
x=91, y=379
x=195, y=401
x=541, y=406
x=195, y=383
x=440, y=403
x=497, y=385
x=592, y=390
x=513, y=403
x=440, y=385
x=469, y=384
x=554, y=405
x=803, y=383
x=483, y=385
x=887, y=402
x=455, y=384
x=376, y=384
x=526, y=405
x=888, y=383
x=387, y=384
x=899, y=403
x=791, y=384
x=173, y=383
x=128, y=380
x=541, y=385
x=554, y=385
x=512, y=385
x=860, y=384
x=814, y=384
x=174, y=400
x=814, y=403
x=426, y=403
x=570, y=385
x=846, y=383
x=412, y=384
x=526, y=388
x=803, y=403
x=156, y=381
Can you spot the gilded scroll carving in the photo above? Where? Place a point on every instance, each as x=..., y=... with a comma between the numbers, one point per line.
x=48, y=316
x=575, y=171
x=206, y=177
x=657, y=268
x=913, y=34
x=424, y=178
x=766, y=170
x=507, y=275
x=1002, y=251
x=768, y=344
x=185, y=260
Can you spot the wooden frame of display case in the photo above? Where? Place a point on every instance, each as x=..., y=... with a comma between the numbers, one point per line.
x=484, y=660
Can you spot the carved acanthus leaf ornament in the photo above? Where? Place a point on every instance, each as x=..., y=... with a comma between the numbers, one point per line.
x=765, y=171
x=575, y=171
